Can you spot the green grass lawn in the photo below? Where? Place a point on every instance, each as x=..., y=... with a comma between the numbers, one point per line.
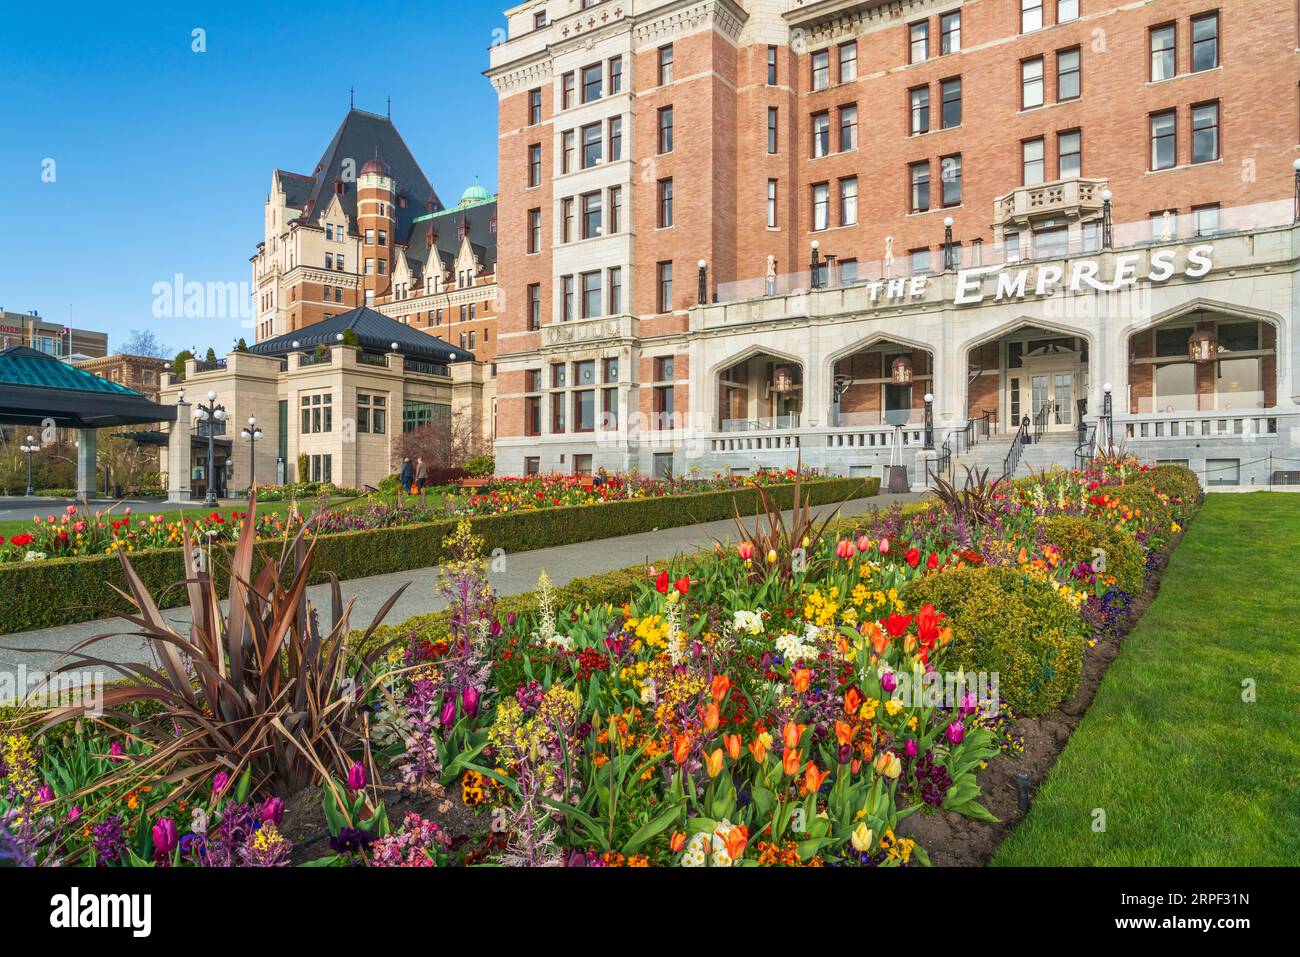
x=1186, y=771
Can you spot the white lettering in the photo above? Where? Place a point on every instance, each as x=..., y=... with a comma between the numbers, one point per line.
x=1012, y=284
x=1048, y=276
x=1162, y=265
x=1199, y=262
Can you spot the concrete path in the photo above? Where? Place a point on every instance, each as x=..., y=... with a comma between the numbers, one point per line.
x=562, y=564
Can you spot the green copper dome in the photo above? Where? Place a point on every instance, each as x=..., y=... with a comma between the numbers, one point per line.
x=475, y=194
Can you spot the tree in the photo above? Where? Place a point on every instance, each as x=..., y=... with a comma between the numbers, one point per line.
x=212, y=354
x=143, y=342
x=350, y=339
x=440, y=444
x=241, y=345
x=178, y=364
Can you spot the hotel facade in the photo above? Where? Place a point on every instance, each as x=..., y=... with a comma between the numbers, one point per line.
x=743, y=234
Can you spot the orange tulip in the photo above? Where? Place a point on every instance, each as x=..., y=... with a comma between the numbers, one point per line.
x=852, y=701
x=909, y=643
x=677, y=842
x=844, y=732
x=732, y=742
x=879, y=640
x=721, y=685
x=945, y=636
x=737, y=838
x=790, y=759
x=713, y=762
x=681, y=747
x=710, y=716
x=801, y=679
x=758, y=748
x=791, y=734
x=812, y=778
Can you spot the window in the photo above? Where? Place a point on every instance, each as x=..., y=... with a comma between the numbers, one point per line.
x=771, y=204
x=663, y=407
x=329, y=260
x=566, y=300
x=1051, y=243
x=666, y=130
x=610, y=370
x=567, y=141
x=592, y=215
x=615, y=139
x=665, y=203
x=821, y=70
x=950, y=32
x=566, y=220
x=615, y=208
x=532, y=463
x=920, y=261
x=616, y=75
x=1069, y=154
x=317, y=413
x=950, y=91
x=1205, y=133
x=534, y=307
x=1205, y=42
x=918, y=35
x=539, y=19
x=1031, y=83
x=1011, y=246
x=370, y=267
x=772, y=114
x=1031, y=163
x=1164, y=225
x=1206, y=220
x=615, y=291
x=664, y=272
x=1067, y=10
x=919, y=100
x=557, y=413
x=1031, y=15
x=534, y=107
x=950, y=174
x=338, y=262
x=1223, y=471
x=322, y=468
x=1163, y=52
x=848, y=128
x=848, y=62
x=771, y=66
x=584, y=420
x=1164, y=140
x=666, y=65
x=1067, y=75
x=821, y=134
x=591, y=295
x=849, y=201
x=592, y=82
x=919, y=177
x=591, y=145
x=383, y=237
x=609, y=409
x=821, y=206
x=566, y=91
x=535, y=165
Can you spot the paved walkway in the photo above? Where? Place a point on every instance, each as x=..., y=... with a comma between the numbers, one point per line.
x=562, y=564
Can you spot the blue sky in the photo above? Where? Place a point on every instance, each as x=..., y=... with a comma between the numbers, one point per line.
x=163, y=156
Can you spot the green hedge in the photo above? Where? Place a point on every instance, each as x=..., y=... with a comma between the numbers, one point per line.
x=1007, y=623
x=44, y=594
x=1078, y=537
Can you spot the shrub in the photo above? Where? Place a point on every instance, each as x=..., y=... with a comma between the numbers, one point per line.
x=1007, y=623
x=1150, y=514
x=446, y=475
x=1078, y=538
x=1178, y=483
x=481, y=466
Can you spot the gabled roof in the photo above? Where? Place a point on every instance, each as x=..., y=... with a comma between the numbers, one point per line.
x=362, y=137
x=35, y=386
x=480, y=220
x=296, y=188
x=375, y=332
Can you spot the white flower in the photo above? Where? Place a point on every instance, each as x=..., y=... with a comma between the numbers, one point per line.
x=34, y=557
x=748, y=622
x=199, y=821
x=695, y=853
x=794, y=650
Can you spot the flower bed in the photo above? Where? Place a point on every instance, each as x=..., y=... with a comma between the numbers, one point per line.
x=795, y=699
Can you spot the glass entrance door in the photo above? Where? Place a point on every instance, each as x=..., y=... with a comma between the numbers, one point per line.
x=1053, y=391
x=1063, y=397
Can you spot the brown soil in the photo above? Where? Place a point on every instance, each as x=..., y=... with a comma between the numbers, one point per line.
x=952, y=840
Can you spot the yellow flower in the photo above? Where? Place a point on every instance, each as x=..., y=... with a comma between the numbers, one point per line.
x=862, y=838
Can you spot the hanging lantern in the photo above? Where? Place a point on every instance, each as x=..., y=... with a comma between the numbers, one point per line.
x=782, y=380
x=902, y=371
x=1202, y=346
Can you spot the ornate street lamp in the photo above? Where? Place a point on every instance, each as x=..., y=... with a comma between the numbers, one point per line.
x=1202, y=346
x=30, y=449
x=949, y=259
x=212, y=413
x=901, y=371
x=816, y=267
x=1107, y=411
x=703, y=296
x=782, y=380
x=252, y=434
x=1107, y=220
x=929, y=420
x=1296, y=166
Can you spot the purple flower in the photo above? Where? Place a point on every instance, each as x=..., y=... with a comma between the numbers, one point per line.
x=272, y=811
x=911, y=749
x=219, y=783
x=888, y=682
x=845, y=753
x=165, y=839
x=956, y=732
x=357, y=776
x=448, y=716
x=44, y=794
x=469, y=699
x=109, y=840
x=115, y=751
x=968, y=704
x=74, y=812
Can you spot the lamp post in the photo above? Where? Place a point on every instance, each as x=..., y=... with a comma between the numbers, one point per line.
x=29, y=449
x=949, y=260
x=816, y=267
x=703, y=296
x=1107, y=223
x=211, y=414
x=929, y=421
x=1296, y=166
x=1106, y=407
x=252, y=434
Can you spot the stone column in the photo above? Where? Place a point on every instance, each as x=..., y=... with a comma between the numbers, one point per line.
x=87, y=469
x=178, y=455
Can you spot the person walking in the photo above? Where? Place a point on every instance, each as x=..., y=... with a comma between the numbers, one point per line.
x=405, y=481
x=422, y=475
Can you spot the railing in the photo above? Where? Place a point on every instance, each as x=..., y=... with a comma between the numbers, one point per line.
x=1202, y=426
x=1041, y=418
x=314, y=359
x=209, y=365
x=1085, y=451
x=371, y=359
x=425, y=368
x=763, y=424
x=880, y=438
x=987, y=423
x=1012, y=461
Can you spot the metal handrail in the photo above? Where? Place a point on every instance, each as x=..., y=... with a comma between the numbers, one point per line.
x=1083, y=453
x=1017, y=450
x=1040, y=420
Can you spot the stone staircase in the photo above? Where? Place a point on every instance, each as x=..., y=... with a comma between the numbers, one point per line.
x=1056, y=449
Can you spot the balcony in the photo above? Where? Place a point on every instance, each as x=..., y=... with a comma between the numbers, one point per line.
x=1066, y=199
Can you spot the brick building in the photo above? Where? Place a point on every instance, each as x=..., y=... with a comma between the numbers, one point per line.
x=737, y=233
x=143, y=374
x=52, y=338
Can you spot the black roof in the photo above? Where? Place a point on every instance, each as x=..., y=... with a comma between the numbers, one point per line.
x=481, y=224
x=375, y=332
x=35, y=386
x=360, y=137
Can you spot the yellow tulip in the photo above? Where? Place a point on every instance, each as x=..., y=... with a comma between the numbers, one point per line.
x=861, y=838
x=713, y=762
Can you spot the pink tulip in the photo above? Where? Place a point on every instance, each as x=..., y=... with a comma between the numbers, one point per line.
x=72, y=510
x=955, y=732
x=911, y=749
x=884, y=546
x=888, y=682
x=219, y=782
x=357, y=776
x=864, y=544
x=164, y=837
x=746, y=550
x=844, y=549
x=44, y=794
x=272, y=811
x=469, y=700
x=115, y=751
x=448, y=715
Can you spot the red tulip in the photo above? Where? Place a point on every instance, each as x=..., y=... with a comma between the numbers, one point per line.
x=745, y=550
x=932, y=562
x=913, y=557
x=661, y=583
x=683, y=585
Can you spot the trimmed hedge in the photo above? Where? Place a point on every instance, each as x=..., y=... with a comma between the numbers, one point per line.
x=1078, y=537
x=1153, y=515
x=1007, y=623
x=57, y=592
x=1179, y=484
